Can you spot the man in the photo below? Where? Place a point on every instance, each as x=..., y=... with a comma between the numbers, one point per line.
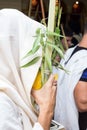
x=16, y=108
x=71, y=103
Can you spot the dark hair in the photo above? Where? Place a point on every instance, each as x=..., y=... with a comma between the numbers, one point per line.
x=74, y=41
x=67, y=31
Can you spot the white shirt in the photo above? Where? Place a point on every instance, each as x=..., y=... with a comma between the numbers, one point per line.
x=66, y=111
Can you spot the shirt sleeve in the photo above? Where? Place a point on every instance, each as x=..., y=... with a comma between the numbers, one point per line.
x=37, y=126
x=84, y=76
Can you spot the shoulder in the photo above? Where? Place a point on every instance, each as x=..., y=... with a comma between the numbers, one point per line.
x=70, y=50
x=10, y=11
x=15, y=15
x=67, y=54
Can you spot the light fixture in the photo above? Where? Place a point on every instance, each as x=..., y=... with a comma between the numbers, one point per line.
x=77, y=2
x=34, y=2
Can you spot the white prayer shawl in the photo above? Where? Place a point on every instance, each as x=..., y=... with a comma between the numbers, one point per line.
x=16, y=39
x=66, y=111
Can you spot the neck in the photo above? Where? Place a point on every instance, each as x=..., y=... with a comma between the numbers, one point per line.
x=83, y=42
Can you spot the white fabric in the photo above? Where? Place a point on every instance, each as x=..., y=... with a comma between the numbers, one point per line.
x=66, y=111
x=37, y=126
x=11, y=116
x=16, y=38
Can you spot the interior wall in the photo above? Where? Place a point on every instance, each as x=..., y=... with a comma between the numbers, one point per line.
x=16, y=4
x=23, y=5
x=19, y=4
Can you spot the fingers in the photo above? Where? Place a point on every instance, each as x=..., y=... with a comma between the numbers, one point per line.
x=51, y=81
x=51, y=78
x=55, y=83
x=34, y=93
x=50, y=84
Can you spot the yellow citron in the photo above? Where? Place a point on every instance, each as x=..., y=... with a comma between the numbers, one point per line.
x=56, y=76
x=37, y=83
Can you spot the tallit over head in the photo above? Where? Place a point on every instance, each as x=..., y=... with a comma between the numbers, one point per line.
x=16, y=39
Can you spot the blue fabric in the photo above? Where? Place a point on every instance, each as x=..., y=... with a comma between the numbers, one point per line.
x=84, y=76
x=83, y=115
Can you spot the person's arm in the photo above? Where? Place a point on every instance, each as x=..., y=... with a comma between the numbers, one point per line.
x=45, y=98
x=80, y=95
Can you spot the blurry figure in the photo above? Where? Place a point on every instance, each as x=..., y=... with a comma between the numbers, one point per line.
x=71, y=99
x=76, y=39
x=67, y=41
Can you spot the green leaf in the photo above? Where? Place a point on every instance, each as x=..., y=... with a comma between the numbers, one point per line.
x=28, y=54
x=62, y=68
x=61, y=46
x=36, y=42
x=59, y=66
x=38, y=31
x=48, y=62
x=54, y=34
x=57, y=49
x=33, y=61
x=57, y=30
x=31, y=52
x=36, y=49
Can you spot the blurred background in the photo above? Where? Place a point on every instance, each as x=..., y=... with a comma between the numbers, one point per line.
x=73, y=14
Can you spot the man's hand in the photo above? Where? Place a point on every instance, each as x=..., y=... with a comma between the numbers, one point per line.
x=45, y=98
